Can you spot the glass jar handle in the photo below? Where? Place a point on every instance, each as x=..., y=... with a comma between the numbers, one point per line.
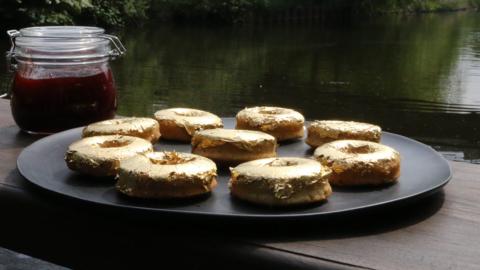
x=119, y=48
x=5, y=93
x=11, y=62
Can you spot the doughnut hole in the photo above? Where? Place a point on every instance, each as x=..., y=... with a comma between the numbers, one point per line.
x=114, y=143
x=271, y=111
x=282, y=163
x=169, y=158
x=363, y=149
x=118, y=121
x=189, y=113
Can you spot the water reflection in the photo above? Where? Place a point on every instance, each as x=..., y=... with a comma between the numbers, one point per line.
x=417, y=76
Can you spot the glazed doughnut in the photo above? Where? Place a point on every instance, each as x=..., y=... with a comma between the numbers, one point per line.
x=164, y=175
x=282, y=123
x=280, y=181
x=233, y=146
x=356, y=163
x=101, y=155
x=181, y=123
x=320, y=132
x=145, y=128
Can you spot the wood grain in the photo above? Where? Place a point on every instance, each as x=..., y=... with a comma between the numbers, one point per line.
x=448, y=239
x=438, y=232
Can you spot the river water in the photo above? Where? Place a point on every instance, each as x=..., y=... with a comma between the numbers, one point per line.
x=418, y=76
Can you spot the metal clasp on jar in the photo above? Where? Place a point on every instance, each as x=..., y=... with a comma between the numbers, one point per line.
x=119, y=48
x=11, y=62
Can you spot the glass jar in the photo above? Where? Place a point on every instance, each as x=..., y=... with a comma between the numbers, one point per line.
x=62, y=77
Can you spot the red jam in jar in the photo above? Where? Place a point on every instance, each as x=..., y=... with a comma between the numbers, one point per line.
x=64, y=84
x=47, y=105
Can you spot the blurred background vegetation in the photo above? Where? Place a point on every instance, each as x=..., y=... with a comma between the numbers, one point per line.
x=98, y=12
x=118, y=13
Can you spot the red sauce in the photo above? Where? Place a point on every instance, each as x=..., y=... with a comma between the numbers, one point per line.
x=47, y=105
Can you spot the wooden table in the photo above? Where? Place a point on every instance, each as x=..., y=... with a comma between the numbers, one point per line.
x=441, y=231
x=14, y=260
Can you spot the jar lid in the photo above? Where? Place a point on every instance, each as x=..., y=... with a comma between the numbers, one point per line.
x=62, y=31
x=56, y=44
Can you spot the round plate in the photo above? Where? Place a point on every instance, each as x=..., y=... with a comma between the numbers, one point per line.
x=423, y=171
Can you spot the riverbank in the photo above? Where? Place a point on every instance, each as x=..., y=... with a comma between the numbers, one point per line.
x=418, y=6
x=253, y=11
x=136, y=12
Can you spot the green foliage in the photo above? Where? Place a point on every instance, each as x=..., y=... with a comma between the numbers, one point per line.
x=223, y=11
x=123, y=12
x=396, y=6
x=46, y=11
x=234, y=11
x=119, y=13
x=99, y=12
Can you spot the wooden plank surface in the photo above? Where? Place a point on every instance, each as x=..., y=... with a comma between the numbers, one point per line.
x=444, y=234
x=13, y=260
x=438, y=232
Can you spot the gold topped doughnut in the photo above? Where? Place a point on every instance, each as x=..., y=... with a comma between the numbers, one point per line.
x=166, y=175
x=181, y=123
x=101, y=155
x=320, y=132
x=355, y=162
x=142, y=127
x=282, y=123
x=233, y=146
x=280, y=181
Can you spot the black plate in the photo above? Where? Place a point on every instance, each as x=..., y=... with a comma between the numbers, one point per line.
x=423, y=172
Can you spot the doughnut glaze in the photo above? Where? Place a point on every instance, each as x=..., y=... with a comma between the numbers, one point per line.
x=355, y=163
x=324, y=131
x=164, y=175
x=181, y=123
x=280, y=181
x=233, y=146
x=145, y=128
x=282, y=123
x=101, y=155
